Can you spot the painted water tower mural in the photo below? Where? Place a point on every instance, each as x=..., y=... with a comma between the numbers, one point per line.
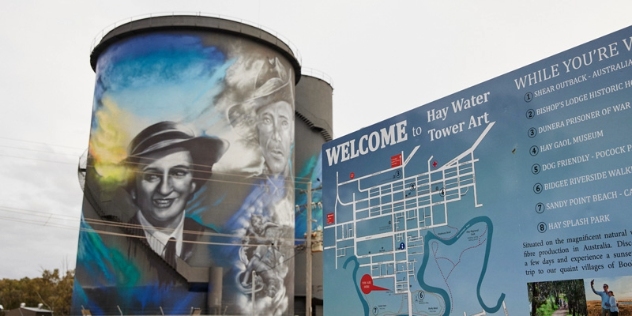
x=189, y=194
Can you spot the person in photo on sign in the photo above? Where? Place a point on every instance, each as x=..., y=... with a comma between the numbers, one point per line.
x=605, y=298
x=169, y=165
x=614, y=306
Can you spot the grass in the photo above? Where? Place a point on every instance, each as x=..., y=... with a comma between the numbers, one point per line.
x=548, y=308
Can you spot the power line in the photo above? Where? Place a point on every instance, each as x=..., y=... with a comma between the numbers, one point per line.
x=45, y=151
x=44, y=219
x=38, y=159
x=202, y=168
x=40, y=143
x=34, y=213
x=40, y=151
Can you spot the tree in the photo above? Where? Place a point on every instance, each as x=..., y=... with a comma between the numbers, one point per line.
x=571, y=290
x=51, y=289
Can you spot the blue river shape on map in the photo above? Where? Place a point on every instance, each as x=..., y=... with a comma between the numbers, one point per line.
x=430, y=236
x=365, y=305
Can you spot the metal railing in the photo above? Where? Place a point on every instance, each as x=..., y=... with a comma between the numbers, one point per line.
x=318, y=74
x=97, y=39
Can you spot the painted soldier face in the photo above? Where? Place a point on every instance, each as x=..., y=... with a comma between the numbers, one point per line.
x=164, y=185
x=275, y=127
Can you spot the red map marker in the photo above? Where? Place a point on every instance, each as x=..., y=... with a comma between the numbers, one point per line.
x=366, y=284
x=330, y=218
x=396, y=160
x=352, y=175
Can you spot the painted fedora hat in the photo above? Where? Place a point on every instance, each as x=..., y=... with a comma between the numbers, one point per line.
x=272, y=84
x=205, y=150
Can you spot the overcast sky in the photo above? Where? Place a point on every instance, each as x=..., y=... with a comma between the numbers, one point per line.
x=384, y=58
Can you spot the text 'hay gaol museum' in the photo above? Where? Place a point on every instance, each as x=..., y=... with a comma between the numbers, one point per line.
x=203, y=148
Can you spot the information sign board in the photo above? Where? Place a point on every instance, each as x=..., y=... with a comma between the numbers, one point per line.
x=468, y=204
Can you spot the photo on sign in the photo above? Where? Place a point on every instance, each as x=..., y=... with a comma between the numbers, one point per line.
x=557, y=298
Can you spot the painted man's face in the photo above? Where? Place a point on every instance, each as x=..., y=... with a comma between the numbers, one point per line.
x=275, y=126
x=163, y=186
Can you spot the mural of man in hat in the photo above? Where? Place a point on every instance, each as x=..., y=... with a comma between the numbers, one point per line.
x=169, y=165
x=268, y=117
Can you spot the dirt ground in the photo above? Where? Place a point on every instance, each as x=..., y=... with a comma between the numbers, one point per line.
x=594, y=308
